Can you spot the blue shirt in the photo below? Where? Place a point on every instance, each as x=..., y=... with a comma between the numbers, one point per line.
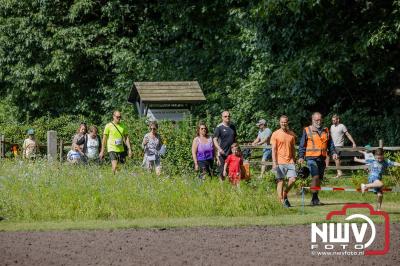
x=376, y=168
x=303, y=141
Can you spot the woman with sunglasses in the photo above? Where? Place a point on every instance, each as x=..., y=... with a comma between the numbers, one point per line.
x=203, y=151
x=78, y=139
x=152, y=144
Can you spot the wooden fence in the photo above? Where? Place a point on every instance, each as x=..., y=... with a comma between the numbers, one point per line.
x=55, y=150
x=347, y=154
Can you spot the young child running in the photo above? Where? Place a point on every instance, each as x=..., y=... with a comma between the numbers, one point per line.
x=377, y=167
x=234, y=163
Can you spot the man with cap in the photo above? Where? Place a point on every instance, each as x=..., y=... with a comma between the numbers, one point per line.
x=30, y=147
x=263, y=138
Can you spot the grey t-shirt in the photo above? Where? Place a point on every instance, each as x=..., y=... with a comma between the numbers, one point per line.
x=337, y=133
x=265, y=134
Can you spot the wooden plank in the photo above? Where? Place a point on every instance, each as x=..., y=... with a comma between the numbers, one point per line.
x=166, y=83
x=249, y=146
x=172, y=99
x=153, y=87
x=171, y=93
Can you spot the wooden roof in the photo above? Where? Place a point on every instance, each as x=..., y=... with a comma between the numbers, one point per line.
x=166, y=92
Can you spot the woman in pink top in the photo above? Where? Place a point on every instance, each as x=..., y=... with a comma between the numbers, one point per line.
x=203, y=151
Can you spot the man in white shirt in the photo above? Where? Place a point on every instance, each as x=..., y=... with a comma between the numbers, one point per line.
x=338, y=131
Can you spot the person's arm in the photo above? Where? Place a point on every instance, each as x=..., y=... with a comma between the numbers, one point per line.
x=256, y=141
x=351, y=139
x=302, y=147
x=128, y=144
x=359, y=160
x=274, y=150
x=103, y=145
x=144, y=142
x=216, y=144
x=225, y=167
x=194, y=154
x=293, y=147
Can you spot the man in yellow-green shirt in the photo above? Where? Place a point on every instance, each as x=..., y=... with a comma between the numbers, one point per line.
x=114, y=137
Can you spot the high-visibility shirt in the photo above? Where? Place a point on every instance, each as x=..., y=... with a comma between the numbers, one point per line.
x=317, y=144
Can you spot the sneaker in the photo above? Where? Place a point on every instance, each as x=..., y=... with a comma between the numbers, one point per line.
x=363, y=188
x=286, y=203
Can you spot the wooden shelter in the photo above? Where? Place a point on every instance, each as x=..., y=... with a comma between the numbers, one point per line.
x=165, y=100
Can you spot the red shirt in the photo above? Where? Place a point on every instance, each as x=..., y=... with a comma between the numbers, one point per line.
x=234, y=162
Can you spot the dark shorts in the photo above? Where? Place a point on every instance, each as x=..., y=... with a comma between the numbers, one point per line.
x=222, y=159
x=117, y=156
x=317, y=167
x=205, y=167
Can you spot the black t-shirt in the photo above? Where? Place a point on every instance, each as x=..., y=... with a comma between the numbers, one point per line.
x=226, y=136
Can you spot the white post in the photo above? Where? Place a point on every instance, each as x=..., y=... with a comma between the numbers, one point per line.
x=381, y=143
x=52, y=145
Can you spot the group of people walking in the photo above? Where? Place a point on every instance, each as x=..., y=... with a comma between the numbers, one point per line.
x=316, y=144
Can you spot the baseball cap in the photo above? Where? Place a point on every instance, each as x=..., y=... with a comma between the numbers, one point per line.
x=368, y=146
x=31, y=131
x=261, y=122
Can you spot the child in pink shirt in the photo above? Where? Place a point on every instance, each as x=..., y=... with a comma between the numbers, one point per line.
x=234, y=163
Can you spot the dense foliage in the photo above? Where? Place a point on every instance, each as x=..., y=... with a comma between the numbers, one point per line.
x=257, y=58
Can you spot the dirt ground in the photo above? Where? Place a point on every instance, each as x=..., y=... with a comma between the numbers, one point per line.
x=269, y=245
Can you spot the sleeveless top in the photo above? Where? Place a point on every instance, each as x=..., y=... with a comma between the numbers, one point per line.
x=205, y=151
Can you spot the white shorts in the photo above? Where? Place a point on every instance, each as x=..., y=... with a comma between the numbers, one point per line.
x=285, y=170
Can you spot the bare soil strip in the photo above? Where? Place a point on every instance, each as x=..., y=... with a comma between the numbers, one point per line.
x=267, y=245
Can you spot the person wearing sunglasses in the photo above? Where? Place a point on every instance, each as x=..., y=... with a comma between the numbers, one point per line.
x=203, y=151
x=152, y=143
x=116, y=139
x=224, y=137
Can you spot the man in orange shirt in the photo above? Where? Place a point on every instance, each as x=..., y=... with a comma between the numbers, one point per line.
x=283, y=157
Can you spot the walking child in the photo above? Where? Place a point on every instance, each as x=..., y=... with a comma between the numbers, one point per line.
x=30, y=146
x=376, y=168
x=234, y=163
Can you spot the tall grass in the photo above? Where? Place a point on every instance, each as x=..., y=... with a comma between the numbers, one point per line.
x=39, y=191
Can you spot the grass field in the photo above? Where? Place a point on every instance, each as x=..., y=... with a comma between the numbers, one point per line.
x=42, y=196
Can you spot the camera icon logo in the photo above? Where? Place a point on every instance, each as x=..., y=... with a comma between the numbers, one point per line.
x=332, y=236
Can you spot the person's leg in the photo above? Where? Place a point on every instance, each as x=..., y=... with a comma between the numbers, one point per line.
x=266, y=156
x=289, y=186
x=221, y=167
x=376, y=184
x=315, y=181
x=114, y=164
x=291, y=174
x=114, y=161
x=210, y=166
x=262, y=167
x=379, y=199
x=339, y=172
x=279, y=190
x=158, y=166
x=279, y=176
